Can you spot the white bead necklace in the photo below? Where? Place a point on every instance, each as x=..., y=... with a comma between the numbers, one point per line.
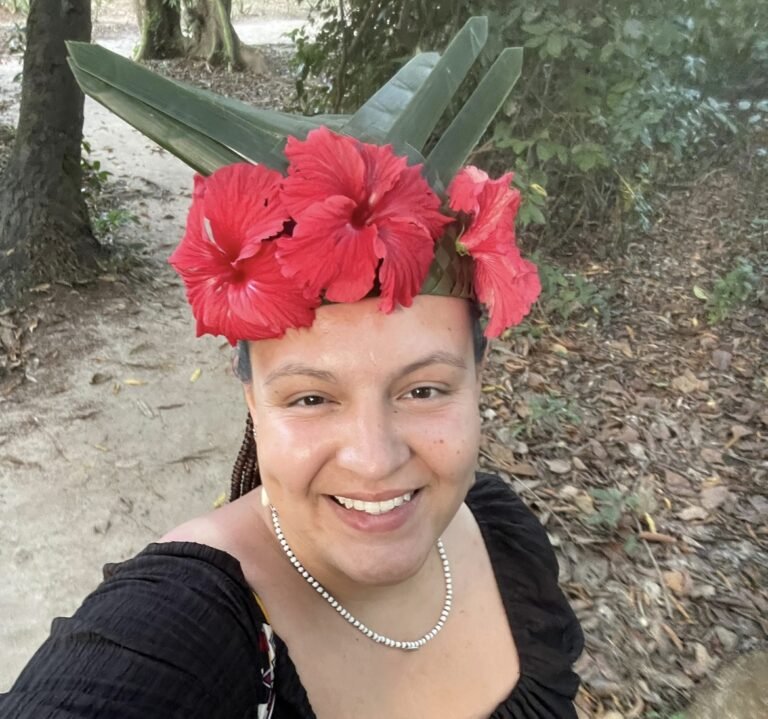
x=357, y=624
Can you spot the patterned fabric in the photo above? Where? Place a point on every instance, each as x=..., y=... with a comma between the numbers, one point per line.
x=267, y=647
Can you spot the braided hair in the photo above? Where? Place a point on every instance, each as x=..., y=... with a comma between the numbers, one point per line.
x=245, y=473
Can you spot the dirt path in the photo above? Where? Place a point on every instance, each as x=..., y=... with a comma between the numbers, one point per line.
x=112, y=444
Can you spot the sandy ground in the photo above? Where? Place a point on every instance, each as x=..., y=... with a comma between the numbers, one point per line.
x=113, y=443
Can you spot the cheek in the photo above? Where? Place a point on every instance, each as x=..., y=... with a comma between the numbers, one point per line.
x=450, y=442
x=290, y=452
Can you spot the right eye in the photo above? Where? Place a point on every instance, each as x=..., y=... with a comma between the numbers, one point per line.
x=310, y=400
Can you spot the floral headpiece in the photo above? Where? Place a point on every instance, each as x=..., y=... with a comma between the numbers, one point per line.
x=290, y=212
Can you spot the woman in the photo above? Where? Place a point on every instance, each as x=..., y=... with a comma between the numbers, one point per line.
x=368, y=511
x=362, y=568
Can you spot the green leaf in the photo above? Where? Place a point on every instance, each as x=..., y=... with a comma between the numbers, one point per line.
x=539, y=28
x=589, y=155
x=700, y=293
x=473, y=119
x=200, y=152
x=555, y=45
x=633, y=29
x=375, y=118
x=419, y=117
x=248, y=133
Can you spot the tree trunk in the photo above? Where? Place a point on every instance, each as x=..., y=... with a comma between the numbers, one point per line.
x=197, y=29
x=45, y=232
x=211, y=35
x=208, y=25
x=160, y=25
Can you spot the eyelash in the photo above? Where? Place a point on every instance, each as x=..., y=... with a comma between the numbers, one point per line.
x=298, y=402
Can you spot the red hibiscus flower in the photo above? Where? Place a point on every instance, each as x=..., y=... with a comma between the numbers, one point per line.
x=506, y=283
x=358, y=208
x=233, y=279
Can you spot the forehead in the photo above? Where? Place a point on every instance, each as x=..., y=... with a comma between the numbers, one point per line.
x=357, y=337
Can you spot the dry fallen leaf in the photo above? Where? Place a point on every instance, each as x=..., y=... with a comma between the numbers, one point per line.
x=714, y=497
x=721, y=360
x=691, y=513
x=704, y=662
x=585, y=503
x=689, y=382
x=134, y=382
x=558, y=466
x=711, y=456
x=679, y=581
x=737, y=432
x=521, y=469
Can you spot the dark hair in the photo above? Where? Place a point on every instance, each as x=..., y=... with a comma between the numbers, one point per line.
x=245, y=473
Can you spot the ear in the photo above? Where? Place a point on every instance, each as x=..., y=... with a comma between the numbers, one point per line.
x=250, y=401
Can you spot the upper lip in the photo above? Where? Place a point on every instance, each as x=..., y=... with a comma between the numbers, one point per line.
x=376, y=496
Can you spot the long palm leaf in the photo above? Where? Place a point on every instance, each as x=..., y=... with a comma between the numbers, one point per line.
x=419, y=118
x=458, y=141
x=375, y=118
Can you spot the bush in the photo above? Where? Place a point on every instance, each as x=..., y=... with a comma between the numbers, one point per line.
x=616, y=98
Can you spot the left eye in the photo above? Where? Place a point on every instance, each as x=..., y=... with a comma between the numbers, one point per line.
x=423, y=393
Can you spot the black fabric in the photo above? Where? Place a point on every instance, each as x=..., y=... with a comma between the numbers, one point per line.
x=175, y=633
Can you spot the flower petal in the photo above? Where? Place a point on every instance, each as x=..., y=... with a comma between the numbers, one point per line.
x=256, y=301
x=407, y=249
x=242, y=206
x=383, y=170
x=327, y=252
x=465, y=188
x=323, y=165
x=495, y=218
x=508, y=285
x=412, y=199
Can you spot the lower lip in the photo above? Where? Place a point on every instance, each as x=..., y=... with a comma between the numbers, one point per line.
x=387, y=522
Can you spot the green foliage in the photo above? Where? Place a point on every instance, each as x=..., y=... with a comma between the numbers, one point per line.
x=616, y=98
x=548, y=414
x=565, y=296
x=17, y=41
x=94, y=178
x=15, y=7
x=613, y=504
x=107, y=217
x=731, y=291
x=109, y=221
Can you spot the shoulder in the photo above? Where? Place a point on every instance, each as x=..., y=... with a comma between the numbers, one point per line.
x=546, y=630
x=174, y=631
x=507, y=520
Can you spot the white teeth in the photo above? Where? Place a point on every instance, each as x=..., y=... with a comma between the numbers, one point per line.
x=375, y=507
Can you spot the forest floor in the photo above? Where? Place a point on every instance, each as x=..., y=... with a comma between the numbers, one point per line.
x=630, y=412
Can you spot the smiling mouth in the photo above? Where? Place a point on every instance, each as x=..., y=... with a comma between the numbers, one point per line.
x=375, y=507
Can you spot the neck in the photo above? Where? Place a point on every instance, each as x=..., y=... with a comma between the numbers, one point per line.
x=404, y=608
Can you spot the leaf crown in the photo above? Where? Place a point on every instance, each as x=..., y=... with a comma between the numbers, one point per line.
x=242, y=152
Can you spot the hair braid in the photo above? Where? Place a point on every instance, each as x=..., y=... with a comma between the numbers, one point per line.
x=245, y=473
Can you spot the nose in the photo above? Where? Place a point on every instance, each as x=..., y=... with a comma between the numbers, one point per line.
x=372, y=447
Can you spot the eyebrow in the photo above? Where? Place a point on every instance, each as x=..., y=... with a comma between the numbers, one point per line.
x=292, y=369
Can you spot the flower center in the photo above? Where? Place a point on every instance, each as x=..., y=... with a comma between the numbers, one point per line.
x=361, y=215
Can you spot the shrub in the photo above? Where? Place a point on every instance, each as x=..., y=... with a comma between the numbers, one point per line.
x=616, y=98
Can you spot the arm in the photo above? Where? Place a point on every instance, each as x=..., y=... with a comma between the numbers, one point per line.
x=171, y=633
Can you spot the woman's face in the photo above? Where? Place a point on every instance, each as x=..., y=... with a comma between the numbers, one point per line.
x=367, y=433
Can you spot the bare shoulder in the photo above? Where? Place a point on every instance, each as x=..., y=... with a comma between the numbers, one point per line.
x=231, y=528
x=210, y=529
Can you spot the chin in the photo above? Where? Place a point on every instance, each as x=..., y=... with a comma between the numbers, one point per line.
x=384, y=566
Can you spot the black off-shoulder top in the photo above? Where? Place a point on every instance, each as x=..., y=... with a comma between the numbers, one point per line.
x=175, y=633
